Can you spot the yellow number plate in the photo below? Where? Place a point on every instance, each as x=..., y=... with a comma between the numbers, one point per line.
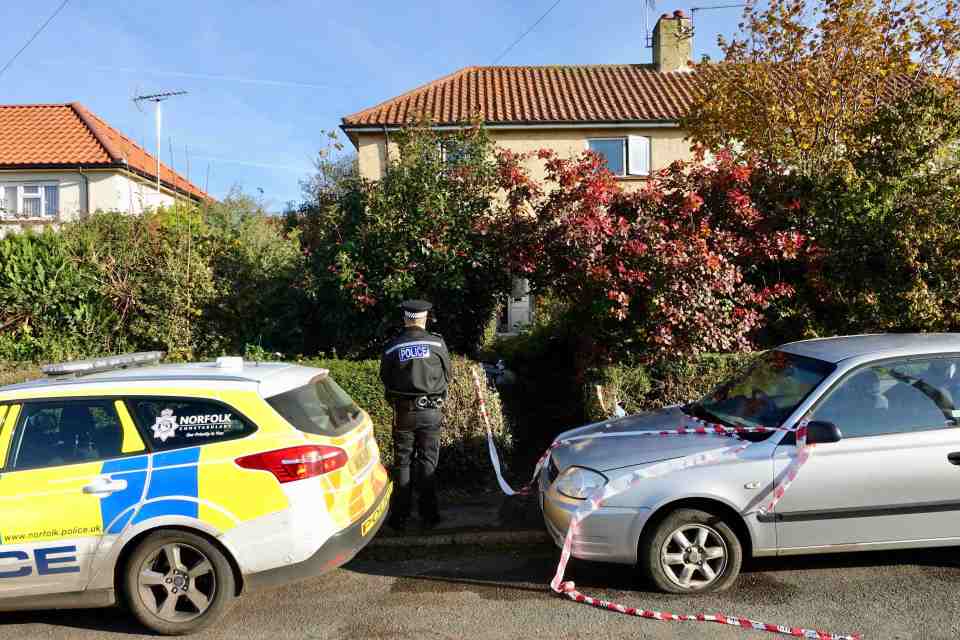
x=374, y=517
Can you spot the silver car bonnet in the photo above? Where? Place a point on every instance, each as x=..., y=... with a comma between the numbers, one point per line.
x=608, y=445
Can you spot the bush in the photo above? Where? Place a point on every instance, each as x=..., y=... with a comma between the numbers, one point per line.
x=422, y=231
x=182, y=280
x=258, y=280
x=49, y=307
x=641, y=388
x=684, y=266
x=151, y=272
x=463, y=443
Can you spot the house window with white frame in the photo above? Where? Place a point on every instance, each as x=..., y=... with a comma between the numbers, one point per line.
x=29, y=200
x=625, y=156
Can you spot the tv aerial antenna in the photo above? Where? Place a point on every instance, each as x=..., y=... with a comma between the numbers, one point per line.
x=649, y=9
x=157, y=99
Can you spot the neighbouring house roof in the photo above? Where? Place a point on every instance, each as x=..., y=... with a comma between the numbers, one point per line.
x=579, y=94
x=65, y=136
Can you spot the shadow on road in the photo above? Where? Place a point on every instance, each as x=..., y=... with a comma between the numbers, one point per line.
x=529, y=569
x=113, y=620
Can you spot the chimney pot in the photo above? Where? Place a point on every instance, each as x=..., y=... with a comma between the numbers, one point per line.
x=679, y=14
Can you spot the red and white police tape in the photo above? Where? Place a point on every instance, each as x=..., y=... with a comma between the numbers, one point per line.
x=591, y=504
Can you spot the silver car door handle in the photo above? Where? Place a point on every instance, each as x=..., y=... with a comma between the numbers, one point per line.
x=103, y=486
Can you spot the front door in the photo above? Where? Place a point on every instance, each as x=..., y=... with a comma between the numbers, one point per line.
x=52, y=492
x=894, y=477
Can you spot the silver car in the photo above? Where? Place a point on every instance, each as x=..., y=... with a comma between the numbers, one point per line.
x=883, y=412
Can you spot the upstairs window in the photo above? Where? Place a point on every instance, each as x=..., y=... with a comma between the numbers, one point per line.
x=29, y=200
x=628, y=156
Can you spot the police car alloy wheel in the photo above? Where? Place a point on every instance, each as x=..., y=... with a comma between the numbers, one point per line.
x=176, y=582
x=691, y=551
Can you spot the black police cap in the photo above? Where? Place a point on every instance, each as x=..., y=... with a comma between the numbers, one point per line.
x=416, y=306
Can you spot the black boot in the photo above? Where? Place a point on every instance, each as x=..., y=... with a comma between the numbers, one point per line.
x=432, y=519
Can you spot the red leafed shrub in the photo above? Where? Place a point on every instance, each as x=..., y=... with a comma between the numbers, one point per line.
x=684, y=265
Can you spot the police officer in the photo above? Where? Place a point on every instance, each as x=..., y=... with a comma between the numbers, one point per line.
x=415, y=370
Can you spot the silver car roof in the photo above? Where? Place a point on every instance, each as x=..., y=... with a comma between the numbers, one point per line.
x=875, y=346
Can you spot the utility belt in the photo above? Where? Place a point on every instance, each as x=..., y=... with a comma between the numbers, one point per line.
x=419, y=403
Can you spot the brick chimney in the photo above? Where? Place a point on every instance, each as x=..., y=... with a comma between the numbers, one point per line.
x=673, y=42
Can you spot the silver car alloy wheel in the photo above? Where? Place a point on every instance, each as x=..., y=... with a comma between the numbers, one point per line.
x=693, y=556
x=177, y=583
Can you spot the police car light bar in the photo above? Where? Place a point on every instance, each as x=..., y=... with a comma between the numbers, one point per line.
x=107, y=363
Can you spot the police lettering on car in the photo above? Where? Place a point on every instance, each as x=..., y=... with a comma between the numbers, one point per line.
x=415, y=370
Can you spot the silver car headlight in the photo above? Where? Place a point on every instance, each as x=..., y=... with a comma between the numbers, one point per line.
x=579, y=482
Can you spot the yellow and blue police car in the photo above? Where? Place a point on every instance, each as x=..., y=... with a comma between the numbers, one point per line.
x=172, y=489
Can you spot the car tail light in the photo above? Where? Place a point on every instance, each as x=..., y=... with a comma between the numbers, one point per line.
x=297, y=463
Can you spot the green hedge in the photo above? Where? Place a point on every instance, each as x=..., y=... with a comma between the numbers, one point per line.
x=644, y=388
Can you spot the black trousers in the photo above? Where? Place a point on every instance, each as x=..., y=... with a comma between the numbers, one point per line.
x=416, y=451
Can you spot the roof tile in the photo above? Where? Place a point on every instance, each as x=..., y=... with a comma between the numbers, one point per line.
x=547, y=94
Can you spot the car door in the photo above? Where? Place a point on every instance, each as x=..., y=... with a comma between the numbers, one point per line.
x=893, y=477
x=54, y=494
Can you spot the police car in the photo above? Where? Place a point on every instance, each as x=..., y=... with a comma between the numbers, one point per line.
x=172, y=489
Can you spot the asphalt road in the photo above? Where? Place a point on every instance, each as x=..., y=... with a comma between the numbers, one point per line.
x=501, y=593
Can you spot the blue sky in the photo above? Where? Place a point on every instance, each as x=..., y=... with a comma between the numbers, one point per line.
x=265, y=79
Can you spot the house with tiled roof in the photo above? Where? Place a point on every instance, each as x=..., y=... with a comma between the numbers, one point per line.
x=59, y=162
x=628, y=113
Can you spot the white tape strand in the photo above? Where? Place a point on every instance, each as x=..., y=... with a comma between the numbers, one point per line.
x=492, y=446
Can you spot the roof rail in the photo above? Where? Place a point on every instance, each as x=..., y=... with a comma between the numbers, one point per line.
x=106, y=363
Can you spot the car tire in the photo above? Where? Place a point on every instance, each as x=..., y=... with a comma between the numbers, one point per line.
x=691, y=551
x=177, y=582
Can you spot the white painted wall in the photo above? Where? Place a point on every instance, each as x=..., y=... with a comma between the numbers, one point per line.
x=120, y=192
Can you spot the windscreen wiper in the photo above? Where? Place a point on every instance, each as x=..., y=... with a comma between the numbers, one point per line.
x=697, y=410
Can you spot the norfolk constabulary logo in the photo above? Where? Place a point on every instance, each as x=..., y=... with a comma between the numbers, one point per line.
x=165, y=426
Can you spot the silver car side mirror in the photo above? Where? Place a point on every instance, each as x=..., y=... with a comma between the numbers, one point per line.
x=823, y=432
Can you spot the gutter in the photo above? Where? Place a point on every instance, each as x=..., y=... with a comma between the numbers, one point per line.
x=626, y=124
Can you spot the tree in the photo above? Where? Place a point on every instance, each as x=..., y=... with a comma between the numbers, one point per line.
x=804, y=76
x=683, y=266
x=888, y=230
x=423, y=230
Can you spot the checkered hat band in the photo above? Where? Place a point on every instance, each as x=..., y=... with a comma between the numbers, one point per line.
x=414, y=315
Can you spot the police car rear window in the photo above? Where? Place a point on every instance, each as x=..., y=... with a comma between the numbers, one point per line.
x=320, y=407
